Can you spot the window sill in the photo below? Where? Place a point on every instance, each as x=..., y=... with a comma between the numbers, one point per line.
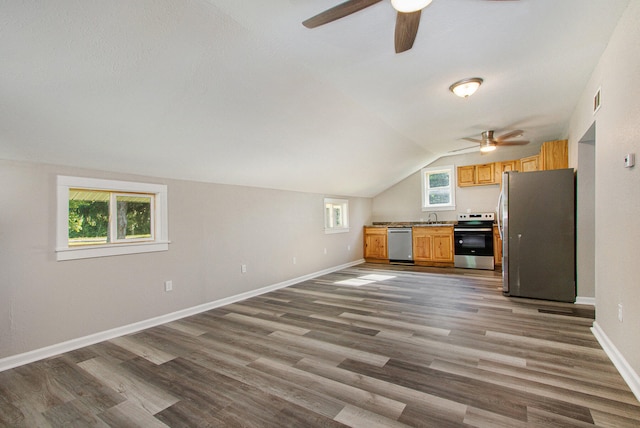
x=342, y=230
x=447, y=208
x=75, y=253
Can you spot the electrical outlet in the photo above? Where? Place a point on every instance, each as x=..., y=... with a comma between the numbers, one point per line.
x=168, y=285
x=620, y=312
x=243, y=268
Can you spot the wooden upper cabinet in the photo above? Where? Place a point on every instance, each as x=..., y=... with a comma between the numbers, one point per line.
x=375, y=243
x=504, y=166
x=475, y=175
x=485, y=174
x=530, y=163
x=466, y=175
x=554, y=155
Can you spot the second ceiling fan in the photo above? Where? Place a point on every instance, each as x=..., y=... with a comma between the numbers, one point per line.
x=407, y=19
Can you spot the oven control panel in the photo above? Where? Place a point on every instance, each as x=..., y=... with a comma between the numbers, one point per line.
x=476, y=216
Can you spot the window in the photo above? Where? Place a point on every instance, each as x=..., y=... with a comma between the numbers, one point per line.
x=336, y=215
x=438, y=188
x=99, y=218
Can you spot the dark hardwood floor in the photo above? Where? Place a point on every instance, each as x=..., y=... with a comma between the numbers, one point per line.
x=372, y=345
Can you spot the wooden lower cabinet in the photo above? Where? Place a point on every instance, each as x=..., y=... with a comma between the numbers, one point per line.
x=497, y=246
x=375, y=244
x=433, y=246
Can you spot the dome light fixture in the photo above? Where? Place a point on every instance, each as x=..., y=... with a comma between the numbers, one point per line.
x=466, y=87
x=409, y=6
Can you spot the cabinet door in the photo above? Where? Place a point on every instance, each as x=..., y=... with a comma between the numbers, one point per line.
x=443, y=247
x=497, y=246
x=504, y=166
x=529, y=163
x=422, y=244
x=466, y=175
x=554, y=155
x=485, y=174
x=375, y=243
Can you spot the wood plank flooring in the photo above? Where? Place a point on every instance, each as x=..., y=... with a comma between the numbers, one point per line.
x=368, y=346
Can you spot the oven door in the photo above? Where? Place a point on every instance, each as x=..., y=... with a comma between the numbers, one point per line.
x=473, y=241
x=473, y=247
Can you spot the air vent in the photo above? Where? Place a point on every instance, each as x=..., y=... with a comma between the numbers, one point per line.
x=596, y=101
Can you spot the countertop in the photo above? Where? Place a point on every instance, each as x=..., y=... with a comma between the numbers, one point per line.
x=412, y=224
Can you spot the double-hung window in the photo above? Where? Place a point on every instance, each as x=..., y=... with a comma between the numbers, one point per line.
x=99, y=218
x=438, y=188
x=336, y=215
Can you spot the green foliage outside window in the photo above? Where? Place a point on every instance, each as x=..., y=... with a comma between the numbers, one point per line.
x=89, y=213
x=439, y=180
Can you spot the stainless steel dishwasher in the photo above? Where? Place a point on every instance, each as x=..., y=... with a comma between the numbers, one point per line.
x=400, y=244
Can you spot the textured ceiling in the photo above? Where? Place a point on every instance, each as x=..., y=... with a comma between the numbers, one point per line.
x=239, y=92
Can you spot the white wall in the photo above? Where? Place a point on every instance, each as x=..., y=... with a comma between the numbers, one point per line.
x=402, y=202
x=213, y=230
x=617, y=189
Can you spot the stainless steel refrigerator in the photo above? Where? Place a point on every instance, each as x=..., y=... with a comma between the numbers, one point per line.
x=536, y=213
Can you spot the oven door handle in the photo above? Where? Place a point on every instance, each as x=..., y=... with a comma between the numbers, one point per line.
x=473, y=229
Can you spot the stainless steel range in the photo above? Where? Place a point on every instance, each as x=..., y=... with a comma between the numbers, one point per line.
x=473, y=238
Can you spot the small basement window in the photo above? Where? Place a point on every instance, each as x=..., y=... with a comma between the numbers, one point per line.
x=336, y=215
x=98, y=218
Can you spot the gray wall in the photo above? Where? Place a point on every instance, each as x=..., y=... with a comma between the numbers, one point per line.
x=617, y=189
x=213, y=230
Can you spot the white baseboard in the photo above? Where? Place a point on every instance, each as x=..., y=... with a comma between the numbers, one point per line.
x=628, y=374
x=70, y=345
x=586, y=301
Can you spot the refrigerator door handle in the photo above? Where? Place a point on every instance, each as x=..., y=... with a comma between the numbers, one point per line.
x=499, y=212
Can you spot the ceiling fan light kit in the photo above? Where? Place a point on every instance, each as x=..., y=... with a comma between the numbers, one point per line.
x=409, y=6
x=466, y=87
x=487, y=146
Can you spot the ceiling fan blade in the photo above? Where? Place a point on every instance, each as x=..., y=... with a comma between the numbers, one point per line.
x=512, y=143
x=473, y=140
x=512, y=134
x=406, y=30
x=337, y=12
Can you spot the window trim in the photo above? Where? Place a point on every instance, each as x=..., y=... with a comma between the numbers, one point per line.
x=65, y=252
x=345, y=208
x=424, y=172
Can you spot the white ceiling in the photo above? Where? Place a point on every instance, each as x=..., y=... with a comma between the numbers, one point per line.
x=239, y=92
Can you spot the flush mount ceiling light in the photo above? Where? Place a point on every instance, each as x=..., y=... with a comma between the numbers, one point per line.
x=465, y=87
x=409, y=6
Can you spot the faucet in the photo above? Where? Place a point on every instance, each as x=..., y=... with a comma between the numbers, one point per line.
x=429, y=218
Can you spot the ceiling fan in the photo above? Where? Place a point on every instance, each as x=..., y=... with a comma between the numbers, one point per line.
x=489, y=142
x=407, y=19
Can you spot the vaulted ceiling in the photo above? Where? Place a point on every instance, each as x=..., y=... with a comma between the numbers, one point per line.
x=240, y=92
